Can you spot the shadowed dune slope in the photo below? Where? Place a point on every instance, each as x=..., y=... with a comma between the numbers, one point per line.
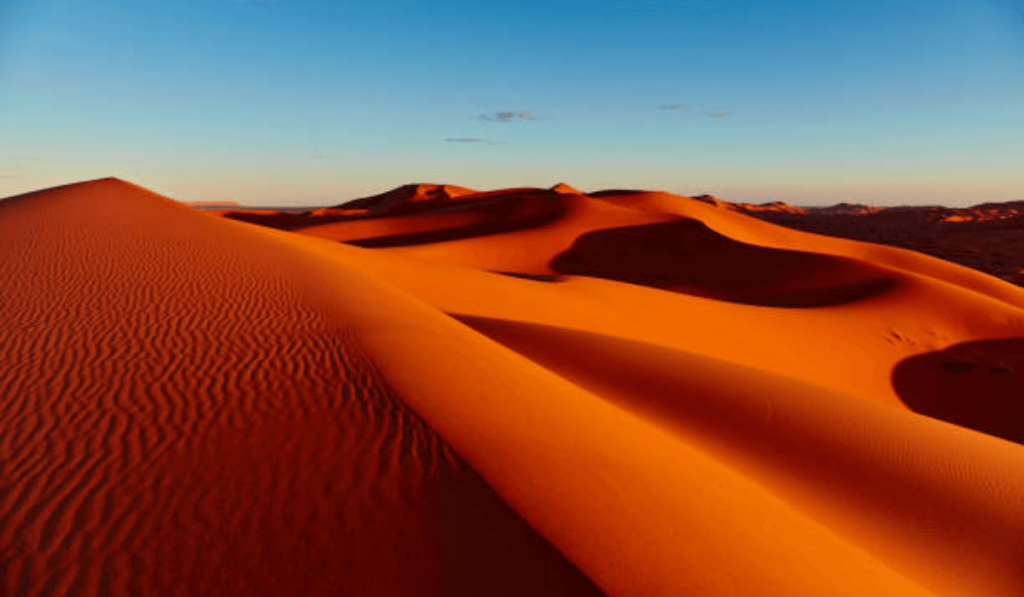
x=687, y=256
x=979, y=385
x=185, y=411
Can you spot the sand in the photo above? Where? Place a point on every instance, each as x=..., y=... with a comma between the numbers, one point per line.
x=988, y=237
x=438, y=391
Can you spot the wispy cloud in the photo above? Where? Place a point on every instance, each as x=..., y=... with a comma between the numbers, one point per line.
x=472, y=140
x=508, y=116
x=714, y=114
x=673, y=107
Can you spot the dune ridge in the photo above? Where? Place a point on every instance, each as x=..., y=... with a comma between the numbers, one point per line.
x=425, y=397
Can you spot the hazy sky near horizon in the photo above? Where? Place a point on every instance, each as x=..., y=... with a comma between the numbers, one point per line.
x=318, y=101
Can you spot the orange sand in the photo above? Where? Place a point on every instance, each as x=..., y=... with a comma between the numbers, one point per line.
x=531, y=392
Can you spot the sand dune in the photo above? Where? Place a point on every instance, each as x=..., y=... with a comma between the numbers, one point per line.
x=408, y=198
x=986, y=236
x=187, y=412
x=748, y=229
x=687, y=256
x=527, y=246
x=480, y=214
x=438, y=391
x=853, y=465
x=291, y=220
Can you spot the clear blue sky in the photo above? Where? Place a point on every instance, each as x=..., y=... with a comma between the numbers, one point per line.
x=313, y=101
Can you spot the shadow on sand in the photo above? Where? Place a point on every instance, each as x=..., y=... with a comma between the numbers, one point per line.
x=688, y=257
x=979, y=385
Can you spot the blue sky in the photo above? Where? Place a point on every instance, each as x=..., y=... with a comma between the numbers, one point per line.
x=315, y=101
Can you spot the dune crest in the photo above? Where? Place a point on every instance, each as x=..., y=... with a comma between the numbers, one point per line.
x=565, y=189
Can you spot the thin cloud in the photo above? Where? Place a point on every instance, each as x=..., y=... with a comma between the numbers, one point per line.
x=472, y=140
x=674, y=107
x=508, y=116
x=714, y=114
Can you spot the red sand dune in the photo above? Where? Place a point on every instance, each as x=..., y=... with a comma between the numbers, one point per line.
x=213, y=204
x=188, y=410
x=687, y=256
x=290, y=220
x=667, y=397
x=988, y=237
x=476, y=215
x=408, y=198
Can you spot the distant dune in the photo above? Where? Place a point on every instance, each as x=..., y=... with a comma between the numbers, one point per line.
x=442, y=391
x=988, y=237
x=408, y=198
x=213, y=204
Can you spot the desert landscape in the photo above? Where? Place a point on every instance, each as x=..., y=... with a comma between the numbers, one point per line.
x=530, y=391
x=560, y=298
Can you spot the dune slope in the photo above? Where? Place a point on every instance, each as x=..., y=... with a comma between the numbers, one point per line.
x=185, y=412
x=856, y=466
x=977, y=384
x=687, y=256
